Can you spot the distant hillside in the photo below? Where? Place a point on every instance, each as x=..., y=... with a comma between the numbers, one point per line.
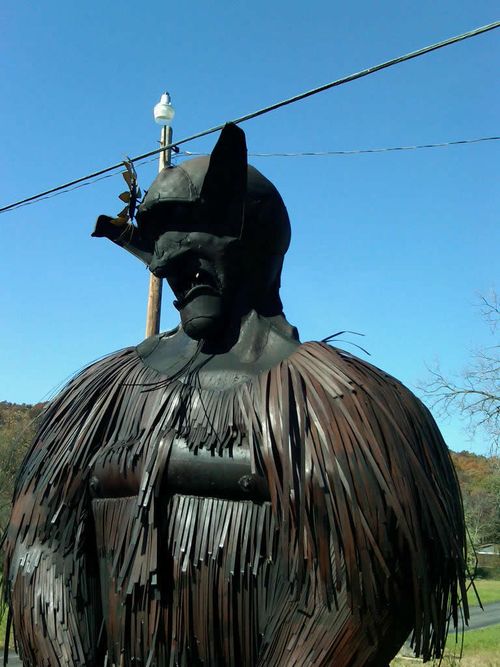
x=474, y=467
x=17, y=428
x=479, y=478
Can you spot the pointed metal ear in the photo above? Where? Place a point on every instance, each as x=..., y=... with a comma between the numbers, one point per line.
x=225, y=182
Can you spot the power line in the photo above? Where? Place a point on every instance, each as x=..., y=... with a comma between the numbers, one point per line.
x=55, y=192
x=264, y=110
x=359, y=151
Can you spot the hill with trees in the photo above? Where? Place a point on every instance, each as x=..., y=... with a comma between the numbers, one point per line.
x=17, y=429
x=479, y=478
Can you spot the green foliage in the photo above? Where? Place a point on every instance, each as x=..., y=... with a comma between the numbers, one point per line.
x=479, y=478
x=3, y=623
x=488, y=572
x=17, y=427
x=3, y=617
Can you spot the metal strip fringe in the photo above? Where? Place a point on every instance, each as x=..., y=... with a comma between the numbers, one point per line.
x=362, y=541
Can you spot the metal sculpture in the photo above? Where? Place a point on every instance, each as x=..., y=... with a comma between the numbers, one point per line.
x=222, y=494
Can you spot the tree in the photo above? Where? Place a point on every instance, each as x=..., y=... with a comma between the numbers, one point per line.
x=17, y=427
x=479, y=478
x=475, y=393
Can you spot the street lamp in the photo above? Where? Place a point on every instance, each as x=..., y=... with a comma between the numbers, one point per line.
x=163, y=113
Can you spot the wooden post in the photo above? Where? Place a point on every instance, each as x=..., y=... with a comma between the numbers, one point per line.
x=153, y=312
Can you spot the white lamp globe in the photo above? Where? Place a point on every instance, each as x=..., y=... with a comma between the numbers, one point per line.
x=164, y=111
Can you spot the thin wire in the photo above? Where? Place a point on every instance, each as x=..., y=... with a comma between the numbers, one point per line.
x=264, y=110
x=360, y=151
x=57, y=191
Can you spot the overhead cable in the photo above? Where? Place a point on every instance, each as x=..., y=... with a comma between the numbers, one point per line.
x=264, y=110
x=359, y=151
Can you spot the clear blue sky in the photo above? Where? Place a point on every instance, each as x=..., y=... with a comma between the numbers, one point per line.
x=394, y=245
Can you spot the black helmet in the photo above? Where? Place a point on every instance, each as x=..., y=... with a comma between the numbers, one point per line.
x=234, y=199
x=238, y=199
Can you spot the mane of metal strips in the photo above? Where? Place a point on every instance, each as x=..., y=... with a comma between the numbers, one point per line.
x=361, y=540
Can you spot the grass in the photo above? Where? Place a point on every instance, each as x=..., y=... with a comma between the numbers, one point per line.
x=3, y=614
x=488, y=589
x=487, y=639
x=481, y=649
x=3, y=623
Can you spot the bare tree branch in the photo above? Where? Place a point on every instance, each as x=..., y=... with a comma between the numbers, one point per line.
x=490, y=309
x=474, y=394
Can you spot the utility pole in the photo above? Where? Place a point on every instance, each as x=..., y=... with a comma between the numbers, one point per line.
x=163, y=114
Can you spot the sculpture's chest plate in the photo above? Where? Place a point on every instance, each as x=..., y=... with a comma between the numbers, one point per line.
x=214, y=473
x=118, y=472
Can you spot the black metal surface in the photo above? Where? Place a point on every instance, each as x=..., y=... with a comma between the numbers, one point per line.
x=223, y=495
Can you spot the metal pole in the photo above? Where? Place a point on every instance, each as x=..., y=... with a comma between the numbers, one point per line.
x=155, y=284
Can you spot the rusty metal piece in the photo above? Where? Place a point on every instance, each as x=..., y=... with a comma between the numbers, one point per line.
x=360, y=542
x=223, y=495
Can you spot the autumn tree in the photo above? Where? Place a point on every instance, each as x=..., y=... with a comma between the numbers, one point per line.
x=17, y=426
x=479, y=478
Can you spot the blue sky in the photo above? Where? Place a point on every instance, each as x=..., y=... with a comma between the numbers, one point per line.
x=394, y=245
